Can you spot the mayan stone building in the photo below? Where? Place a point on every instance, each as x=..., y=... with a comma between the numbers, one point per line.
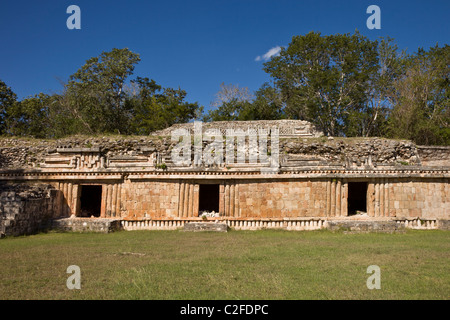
x=288, y=176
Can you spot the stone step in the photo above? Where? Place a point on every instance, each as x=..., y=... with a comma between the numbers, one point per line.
x=365, y=226
x=205, y=226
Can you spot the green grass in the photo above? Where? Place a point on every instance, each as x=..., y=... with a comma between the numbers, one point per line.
x=235, y=265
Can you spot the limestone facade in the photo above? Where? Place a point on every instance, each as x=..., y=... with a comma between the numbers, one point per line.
x=307, y=191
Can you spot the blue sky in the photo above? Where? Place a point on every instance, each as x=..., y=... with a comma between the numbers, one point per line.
x=196, y=44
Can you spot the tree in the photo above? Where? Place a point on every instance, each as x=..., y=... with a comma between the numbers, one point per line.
x=229, y=103
x=422, y=110
x=154, y=108
x=30, y=117
x=322, y=79
x=267, y=105
x=371, y=119
x=7, y=100
x=98, y=99
x=95, y=94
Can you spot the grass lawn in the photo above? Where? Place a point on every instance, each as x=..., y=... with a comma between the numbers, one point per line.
x=268, y=264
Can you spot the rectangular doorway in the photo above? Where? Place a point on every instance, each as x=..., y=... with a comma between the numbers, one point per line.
x=357, y=197
x=208, y=198
x=90, y=200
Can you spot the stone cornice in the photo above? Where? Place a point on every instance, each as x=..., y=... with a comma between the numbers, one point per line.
x=249, y=173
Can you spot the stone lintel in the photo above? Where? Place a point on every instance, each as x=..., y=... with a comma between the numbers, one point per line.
x=127, y=158
x=143, y=171
x=78, y=150
x=62, y=177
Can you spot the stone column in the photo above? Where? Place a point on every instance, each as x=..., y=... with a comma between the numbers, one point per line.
x=186, y=200
x=191, y=200
x=370, y=198
x=344, y=201
x=60, y=200
x=338, y=198
x=118, y=212
x=232, y=198
x=386, y=197
x=196, y=197
x=236, y=201
x=382, y=193
x=222, y=199
x=377, y=199
x=227, y=199
x=181, y=199
x=70, y=198
x=328, y=191
x=113, y=200
x=76, y=188
x=64, y=202
x=333, y=198
x=109, y=200
x=103, y=204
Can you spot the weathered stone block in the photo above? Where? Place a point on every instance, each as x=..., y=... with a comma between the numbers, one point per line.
x=443, y=224
x=365, y=226
x=206, y=226
x=86, y=225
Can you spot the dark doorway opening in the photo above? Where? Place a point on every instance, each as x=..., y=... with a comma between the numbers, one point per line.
x=357, y=197
x=208, y=198
x=91, y=201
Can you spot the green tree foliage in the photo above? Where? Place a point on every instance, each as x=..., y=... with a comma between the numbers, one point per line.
x=267, y=105
x=380, y=91
x=154, y=108
x=348, y=85
x=345, y=84
x=29, y=117
x=323, y=79
x=97, y=99
x=422, y=109
x=229, y=104
x=7, y=101
x=234, y=103
x=95, y=93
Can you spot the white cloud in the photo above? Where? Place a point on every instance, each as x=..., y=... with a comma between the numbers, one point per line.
x=273, y=52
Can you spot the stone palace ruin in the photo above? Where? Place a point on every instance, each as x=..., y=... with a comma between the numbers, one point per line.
x=132, y=183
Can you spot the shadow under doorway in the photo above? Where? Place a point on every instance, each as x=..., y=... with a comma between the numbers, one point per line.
x=209, y=198
x=357, y=197
x=90, y=200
